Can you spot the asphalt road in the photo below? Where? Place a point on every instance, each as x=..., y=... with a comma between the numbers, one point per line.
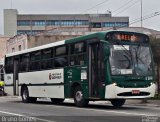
x=13, y=110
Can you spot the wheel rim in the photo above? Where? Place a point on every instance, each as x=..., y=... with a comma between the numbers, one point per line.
x=25, y=94
x=79, y=96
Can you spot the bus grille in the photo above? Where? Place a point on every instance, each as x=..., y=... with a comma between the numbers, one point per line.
x=131, y=94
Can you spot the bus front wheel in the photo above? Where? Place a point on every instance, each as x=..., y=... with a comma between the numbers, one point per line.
x=79, y=99
x=118, y=102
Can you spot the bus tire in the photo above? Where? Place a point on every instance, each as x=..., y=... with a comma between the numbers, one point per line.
x=79, y=99
x=32, y=99
x=57, y=100
x=25, y=95
x=118, y=102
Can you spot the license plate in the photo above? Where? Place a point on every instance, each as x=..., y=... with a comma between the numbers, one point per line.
x=135, y=91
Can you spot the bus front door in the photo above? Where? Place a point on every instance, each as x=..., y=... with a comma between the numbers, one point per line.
x=15, y=76
x=96, y=70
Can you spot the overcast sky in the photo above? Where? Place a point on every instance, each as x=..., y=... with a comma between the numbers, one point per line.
x=129, y=8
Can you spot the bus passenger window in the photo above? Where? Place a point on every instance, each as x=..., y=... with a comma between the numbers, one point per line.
x=60, y=62
x=77, y=54
x=9, y=65
x=61, y=56
x=61, y=50
x=77, y=48
x=35, y=63
x=24, y=63
x=46, y=62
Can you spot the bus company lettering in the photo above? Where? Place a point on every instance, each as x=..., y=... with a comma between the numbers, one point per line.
x=55, y=76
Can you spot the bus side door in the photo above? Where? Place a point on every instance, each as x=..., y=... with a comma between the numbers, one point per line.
x=96, y=70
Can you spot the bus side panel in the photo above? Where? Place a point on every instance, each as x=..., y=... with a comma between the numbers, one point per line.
x=74, y=76
x=8, y=78
x=49, y=83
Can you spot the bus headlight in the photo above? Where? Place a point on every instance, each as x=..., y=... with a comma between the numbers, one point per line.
x=115, y=84
x=151, y=83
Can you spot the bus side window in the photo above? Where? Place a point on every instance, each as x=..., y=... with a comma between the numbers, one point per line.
x=61, y=56
x=9, y=65
x=24, y=63
x=35, y=61
x=46, y=62
x=77, y=53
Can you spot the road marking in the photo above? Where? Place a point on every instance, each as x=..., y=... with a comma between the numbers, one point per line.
x=20, y=115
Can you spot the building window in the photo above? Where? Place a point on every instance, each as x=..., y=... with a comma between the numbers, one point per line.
x=66, y=22
x=23, y=23
x=13, y=50
x=81, y=22
x=50, y=22
x=96, y=25
x=57, y=23
x=38, y=23
x=19, y=48
x=115, y=24
x=29, y=32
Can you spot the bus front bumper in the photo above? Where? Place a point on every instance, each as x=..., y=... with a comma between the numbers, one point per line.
x=114, y=92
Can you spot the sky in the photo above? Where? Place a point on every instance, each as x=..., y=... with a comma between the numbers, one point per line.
x=131, y=8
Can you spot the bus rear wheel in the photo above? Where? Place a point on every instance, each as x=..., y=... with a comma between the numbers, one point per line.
x=57, y=100
x=25, y=96
x=79, y=99
x=118, y=102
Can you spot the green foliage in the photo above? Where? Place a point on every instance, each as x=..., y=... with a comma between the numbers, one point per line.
x=155, y=46
x=156, y=97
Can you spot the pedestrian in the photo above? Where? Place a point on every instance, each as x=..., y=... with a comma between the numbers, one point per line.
x=2, y=87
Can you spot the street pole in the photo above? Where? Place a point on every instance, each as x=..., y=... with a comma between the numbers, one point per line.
x=141, y=14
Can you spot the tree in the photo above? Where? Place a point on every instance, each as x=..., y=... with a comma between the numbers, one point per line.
x=155, y=46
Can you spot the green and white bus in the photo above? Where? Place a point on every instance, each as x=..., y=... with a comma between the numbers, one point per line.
x=113, y=65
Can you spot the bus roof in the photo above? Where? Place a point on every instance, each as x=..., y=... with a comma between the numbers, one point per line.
x=55, y=44
x=100, y=35
x=36, y=48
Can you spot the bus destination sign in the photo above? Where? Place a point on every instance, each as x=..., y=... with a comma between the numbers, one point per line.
x=127, y=37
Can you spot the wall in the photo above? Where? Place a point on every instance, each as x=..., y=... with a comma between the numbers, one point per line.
x=3, y=41
x=10, y=22
x=17, y=43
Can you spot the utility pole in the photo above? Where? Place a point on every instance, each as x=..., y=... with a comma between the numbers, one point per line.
x=141, y=13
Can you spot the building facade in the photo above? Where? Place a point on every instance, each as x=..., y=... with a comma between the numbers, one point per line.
x=17, y=43
x=3, y=42
x=33, y=24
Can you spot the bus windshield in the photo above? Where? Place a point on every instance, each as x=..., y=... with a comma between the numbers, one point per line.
x=130, y=60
